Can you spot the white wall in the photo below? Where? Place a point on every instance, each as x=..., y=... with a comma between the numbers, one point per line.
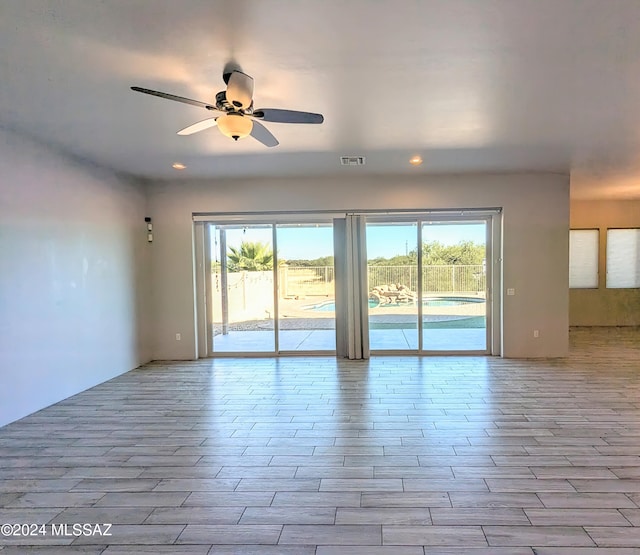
x=73, y=282
x=536, y=223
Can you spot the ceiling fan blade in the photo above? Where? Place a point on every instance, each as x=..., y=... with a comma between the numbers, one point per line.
x=240, y=90
x=287, y=116
x=174, y=97
x=262, y=134
x=200, y=126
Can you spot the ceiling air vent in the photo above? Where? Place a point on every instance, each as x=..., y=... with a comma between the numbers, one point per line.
x=352, y=160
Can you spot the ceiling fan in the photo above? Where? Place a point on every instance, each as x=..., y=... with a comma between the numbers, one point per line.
x=238, y=118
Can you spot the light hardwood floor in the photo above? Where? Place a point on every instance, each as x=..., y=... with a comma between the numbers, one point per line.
x=302, y=456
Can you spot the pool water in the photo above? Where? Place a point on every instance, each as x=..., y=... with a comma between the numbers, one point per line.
x=330, y=306
x=448, y=302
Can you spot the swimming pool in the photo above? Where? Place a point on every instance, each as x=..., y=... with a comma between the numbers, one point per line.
x=330, y=306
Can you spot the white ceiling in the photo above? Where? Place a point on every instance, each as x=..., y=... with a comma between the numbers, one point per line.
x=471, y=85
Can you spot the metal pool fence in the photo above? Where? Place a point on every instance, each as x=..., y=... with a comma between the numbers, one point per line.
x=319, y=280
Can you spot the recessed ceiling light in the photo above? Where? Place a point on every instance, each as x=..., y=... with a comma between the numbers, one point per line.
x=415, y=161
x=178, y=166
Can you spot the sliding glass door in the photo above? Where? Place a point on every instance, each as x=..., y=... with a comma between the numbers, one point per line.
x=271, y=288
x=392, y=270
x=427, y=285
x=242, y=289
x=454, y=286
x=306, y=288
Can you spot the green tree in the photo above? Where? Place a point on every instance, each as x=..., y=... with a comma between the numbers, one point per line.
x=463, y=253
x=397, y=260
x=322, y=261
x=435, y=253
x=252, y=256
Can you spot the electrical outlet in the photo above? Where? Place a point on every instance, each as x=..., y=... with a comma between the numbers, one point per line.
x=511, y=291
x=178, y=337
x=536, y=333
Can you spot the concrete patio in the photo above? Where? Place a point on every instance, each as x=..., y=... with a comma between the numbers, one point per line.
x=399, y=338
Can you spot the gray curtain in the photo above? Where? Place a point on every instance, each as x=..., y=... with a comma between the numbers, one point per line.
x=352, y=323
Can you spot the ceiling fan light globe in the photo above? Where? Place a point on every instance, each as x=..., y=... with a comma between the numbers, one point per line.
x=235, y=126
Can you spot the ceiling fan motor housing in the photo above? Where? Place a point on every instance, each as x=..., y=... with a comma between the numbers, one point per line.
x=223, y=105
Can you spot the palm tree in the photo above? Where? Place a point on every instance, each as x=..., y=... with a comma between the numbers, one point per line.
x=252, y=256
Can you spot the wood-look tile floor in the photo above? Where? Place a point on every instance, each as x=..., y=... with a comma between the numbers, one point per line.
x=300, y=456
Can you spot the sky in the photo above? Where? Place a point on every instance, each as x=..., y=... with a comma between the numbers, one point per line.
x=387, y=241
x=311, y=241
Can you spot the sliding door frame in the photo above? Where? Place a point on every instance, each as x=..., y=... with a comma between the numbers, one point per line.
x=491, y=237
x=204, y=292
x=203, y=289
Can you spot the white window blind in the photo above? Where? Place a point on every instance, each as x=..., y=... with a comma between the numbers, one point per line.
x=583, y=258
x=623, y=258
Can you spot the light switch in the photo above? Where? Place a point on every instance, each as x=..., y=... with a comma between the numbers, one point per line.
x=511, y=291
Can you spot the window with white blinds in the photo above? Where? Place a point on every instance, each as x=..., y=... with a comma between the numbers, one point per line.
x=583, y=258
x=623, y=258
